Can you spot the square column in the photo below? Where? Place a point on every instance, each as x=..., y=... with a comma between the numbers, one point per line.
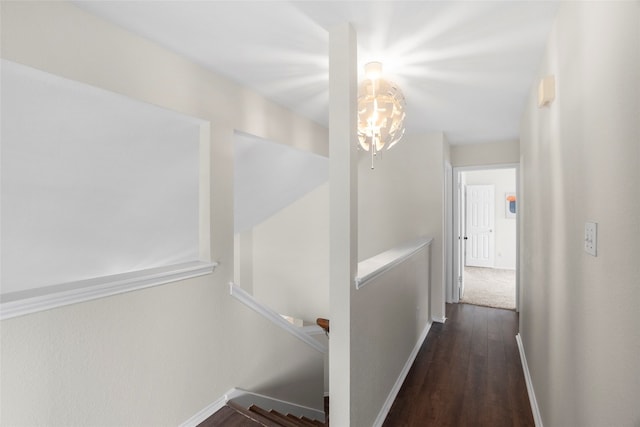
x=343, y=212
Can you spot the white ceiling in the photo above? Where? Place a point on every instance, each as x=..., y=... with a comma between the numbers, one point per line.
x=465, y=67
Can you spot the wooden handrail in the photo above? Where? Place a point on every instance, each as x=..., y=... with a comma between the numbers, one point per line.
x=323, y=323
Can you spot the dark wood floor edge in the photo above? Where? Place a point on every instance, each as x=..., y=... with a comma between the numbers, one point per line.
x=393, y=393
x=535, y=409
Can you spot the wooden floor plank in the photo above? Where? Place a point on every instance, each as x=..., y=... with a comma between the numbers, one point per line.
x=467, y=372
x=497, y=373
x=228, y=417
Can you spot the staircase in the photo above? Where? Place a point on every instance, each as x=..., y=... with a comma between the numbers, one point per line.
x=239, y=411
x=234, y=415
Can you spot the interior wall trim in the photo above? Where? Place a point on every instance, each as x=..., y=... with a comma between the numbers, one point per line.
x=384, y=411
x=377, y=265
x=34, y=300
x=269, y=314
x=537, y=419
x=312, y=330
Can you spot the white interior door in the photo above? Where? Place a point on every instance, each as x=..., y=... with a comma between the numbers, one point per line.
x=480, y=239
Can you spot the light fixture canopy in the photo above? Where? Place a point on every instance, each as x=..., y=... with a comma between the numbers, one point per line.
x=381, y=106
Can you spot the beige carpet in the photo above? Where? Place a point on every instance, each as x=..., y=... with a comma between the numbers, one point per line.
x=490, y=287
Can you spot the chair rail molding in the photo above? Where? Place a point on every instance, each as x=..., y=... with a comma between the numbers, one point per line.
x=377, y=265
x=34, y=300
x=300, y=333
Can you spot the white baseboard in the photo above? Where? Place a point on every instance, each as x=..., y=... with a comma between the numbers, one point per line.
x=210, y=409
x=537, y=419
x=384, y=411
x=439, y=319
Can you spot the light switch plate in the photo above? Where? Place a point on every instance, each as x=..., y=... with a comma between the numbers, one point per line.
x=591, y=238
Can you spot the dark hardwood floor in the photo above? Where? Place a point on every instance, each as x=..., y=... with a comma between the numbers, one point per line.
x=467, y=373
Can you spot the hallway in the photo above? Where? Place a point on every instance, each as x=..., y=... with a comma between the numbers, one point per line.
x=467, y=372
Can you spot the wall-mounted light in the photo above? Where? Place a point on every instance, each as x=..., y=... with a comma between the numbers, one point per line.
x=381, y=113
x=546, y=91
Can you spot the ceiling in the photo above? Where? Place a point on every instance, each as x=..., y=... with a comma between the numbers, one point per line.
x=465, y=67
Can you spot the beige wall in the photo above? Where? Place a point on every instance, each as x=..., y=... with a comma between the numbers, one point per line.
x=243, y=260
x=399, y=200
x=581, y=162
x=388, y=316
x=156, y=356
x=402, y=198
x=485, y=154
x=291, y=258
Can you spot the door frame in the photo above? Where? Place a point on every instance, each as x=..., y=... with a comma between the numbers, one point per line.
x=456, y=188
x=449, y=241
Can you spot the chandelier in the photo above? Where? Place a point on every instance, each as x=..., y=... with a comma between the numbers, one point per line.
x=380, y=111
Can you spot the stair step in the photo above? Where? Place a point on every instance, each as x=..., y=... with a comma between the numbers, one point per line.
x=299, y=421
x=254, y=416
x=281, y=418
x=315, y=422
x=228, y=417
x=234, y=415
x=274, y=416
x=302, y=421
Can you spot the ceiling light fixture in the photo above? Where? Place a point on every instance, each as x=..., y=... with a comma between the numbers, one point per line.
x=381, y=113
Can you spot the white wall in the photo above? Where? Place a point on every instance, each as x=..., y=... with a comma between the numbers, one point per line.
x=580, y=162
x=402, y=198
x=492, y=153
x=291, y=258
x=399, y=200
x=388, y=316
x=156, y=356
x=50, y=139
x=504, y=181
x=243, y=260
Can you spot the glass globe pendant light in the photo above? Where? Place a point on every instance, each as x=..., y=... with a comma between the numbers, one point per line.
x=381, y=113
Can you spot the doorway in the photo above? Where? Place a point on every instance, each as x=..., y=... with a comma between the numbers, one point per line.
x=485, y=240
